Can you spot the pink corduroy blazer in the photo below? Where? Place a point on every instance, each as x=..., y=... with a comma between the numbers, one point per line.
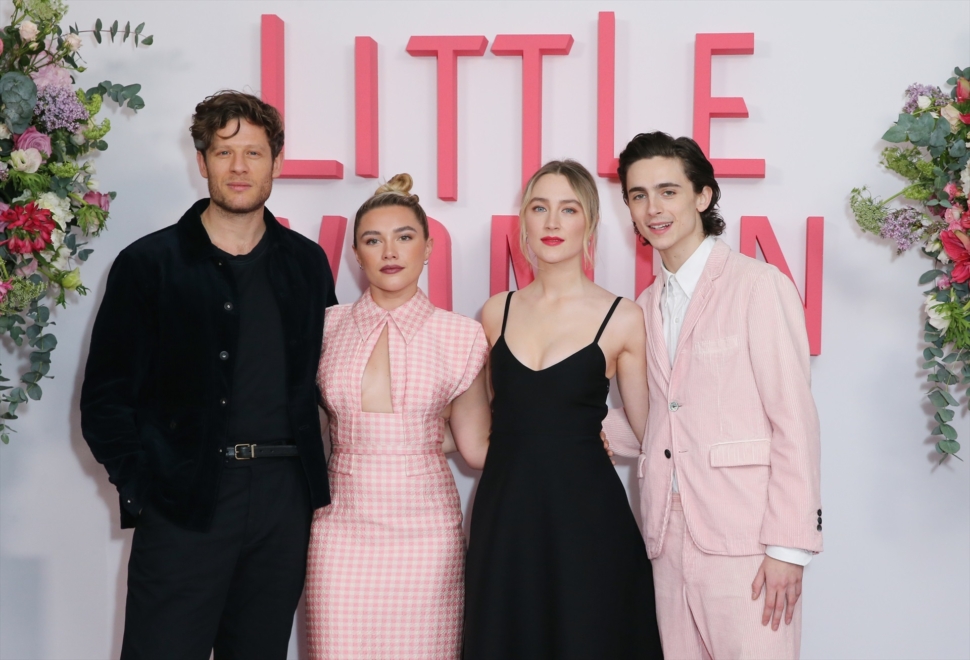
x=735, y=415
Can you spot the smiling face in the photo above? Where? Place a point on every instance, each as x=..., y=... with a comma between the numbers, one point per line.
x=391, y=249
x=239, y=167
x=554, y=221
x=665, y=208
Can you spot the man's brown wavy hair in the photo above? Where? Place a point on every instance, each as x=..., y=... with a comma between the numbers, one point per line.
x=218, y=110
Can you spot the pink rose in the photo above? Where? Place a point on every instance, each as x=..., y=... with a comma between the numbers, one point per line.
x=33, y=139
x=51, y=75
x=942, y=282
x=951, y=190
x=954, y=217
x=4, y=286
x=95, y=198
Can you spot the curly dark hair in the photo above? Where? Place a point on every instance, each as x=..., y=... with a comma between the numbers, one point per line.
x=697, y=168
x=214, y=113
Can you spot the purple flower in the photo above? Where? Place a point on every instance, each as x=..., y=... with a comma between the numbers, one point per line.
x=905, y=226
x=33, y=139
x=58, y=107
x=914, y=91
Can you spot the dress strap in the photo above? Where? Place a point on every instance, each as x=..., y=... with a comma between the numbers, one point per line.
x=505, y=319
x=607, y=319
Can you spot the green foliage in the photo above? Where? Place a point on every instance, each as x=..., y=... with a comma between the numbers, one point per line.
x=19, y=95
x=868, y=212
x=120, y=94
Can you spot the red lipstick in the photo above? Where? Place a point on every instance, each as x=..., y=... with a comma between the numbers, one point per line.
x=552, y=240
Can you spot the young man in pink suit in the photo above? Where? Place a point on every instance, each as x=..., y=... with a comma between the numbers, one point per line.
x=729, y=466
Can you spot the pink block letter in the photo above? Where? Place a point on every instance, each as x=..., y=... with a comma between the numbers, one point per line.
x=606, y=162
x=333, y=229
x=274, y=93
x=447, y=50
x=757, y=230
x=439, y=266
x=706, y=106
x=643, y=268
x=505, y=248
x=531, y=47
x=365, y=83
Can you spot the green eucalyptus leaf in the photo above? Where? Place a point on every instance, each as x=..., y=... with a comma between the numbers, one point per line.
x=141, y=26
x=895, y=134
x=83, y=255
x=19, y=95
x=943, y=416
x=127, y=31
x=937, y=399
x=136, y=103
x=930, y=365
x=930, y=276
x=950, y=358
x=949, y=398
x=948, y=431
x=34, y=391
x=948, y=446
x=47, y=343
x=148, y=41
x=114, y=30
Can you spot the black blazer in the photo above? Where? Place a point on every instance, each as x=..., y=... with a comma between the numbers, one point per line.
x=158, y=378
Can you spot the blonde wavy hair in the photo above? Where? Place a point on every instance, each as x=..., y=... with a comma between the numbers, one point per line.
x=583, y=184
x=396, y=192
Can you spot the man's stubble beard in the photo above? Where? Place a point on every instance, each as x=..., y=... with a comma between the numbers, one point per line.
x=217, y=198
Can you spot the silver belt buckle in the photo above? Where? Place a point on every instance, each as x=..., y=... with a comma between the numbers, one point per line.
x=252, y=452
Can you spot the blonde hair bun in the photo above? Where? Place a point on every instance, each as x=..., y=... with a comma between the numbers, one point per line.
x=399, y=184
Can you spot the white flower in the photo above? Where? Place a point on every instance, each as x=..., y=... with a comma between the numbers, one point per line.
x=923, y=102
x=936, y=319
x=965, y=180
x=4, y=132
x=3, y=166
x=28, y=31
x=952, y=115
x=60, y=208
x=78, y=138
x=93, y=184
x=26, y=160
x=73, y=42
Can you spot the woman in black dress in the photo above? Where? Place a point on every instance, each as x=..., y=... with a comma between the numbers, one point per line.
x=556, y=565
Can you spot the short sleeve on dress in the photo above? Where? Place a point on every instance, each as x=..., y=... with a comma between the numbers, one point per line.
x=477, y=354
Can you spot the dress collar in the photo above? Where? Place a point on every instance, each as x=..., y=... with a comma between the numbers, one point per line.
x=690, y=272
x=408, y=318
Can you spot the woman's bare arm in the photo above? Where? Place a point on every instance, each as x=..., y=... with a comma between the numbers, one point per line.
x=631, y=368
x=471, y=422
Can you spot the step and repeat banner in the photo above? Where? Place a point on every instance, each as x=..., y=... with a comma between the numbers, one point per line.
x=789, y=100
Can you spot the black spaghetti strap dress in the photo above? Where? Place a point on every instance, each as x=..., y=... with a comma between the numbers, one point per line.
x=556, y=566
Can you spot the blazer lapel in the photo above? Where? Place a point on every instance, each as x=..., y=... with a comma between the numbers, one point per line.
x=702, y=294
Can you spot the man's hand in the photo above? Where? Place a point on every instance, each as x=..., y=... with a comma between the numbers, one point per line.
x=782, y=583
x=606, y=446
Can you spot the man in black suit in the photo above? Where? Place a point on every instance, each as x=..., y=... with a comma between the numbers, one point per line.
x=200, y=400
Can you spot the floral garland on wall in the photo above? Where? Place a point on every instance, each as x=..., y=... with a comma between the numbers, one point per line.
x=49, y=197
x=937, y=127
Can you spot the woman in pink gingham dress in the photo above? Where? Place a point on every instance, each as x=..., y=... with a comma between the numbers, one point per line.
x=386, y=561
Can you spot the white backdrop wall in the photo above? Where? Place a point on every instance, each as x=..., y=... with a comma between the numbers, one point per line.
x=825, y=81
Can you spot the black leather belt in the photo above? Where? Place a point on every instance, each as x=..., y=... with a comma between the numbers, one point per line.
x=247, y=452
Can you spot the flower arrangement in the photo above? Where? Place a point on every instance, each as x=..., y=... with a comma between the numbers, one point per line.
x=49, y=198
x=937, y=127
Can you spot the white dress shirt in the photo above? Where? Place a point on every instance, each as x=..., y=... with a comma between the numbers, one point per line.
x=674, y=300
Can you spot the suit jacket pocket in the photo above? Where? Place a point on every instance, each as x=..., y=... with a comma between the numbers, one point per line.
x=712, y=346
x=741, y=452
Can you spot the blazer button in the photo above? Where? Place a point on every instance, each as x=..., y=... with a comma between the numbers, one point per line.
x=820, y=520
x=227, y=306
x=819, y=512
x=667, y=453
x=223, y=355
x=223, y=402
x=674, y=406
x=819, y=528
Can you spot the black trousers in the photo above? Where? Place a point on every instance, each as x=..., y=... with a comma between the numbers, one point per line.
x=232, y=589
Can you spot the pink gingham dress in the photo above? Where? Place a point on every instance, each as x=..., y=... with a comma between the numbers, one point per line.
x=386, y=562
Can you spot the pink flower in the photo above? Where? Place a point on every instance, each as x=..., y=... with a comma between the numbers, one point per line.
x=28, y=228
x=33, y=139
x=957, y=246
x=51, y=75
x=5, y=286
x=26, y=270
x=963, y=90
x=954, y=217
x=943, y=282
x=951, y=190
x=95, y=198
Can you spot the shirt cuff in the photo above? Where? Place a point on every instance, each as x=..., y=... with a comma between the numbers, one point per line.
x=791, y=555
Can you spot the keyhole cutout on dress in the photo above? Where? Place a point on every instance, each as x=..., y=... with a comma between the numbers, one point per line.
x=375, y=385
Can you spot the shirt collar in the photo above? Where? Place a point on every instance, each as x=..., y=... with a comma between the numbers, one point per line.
x=690, y=272
x=408, y=318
